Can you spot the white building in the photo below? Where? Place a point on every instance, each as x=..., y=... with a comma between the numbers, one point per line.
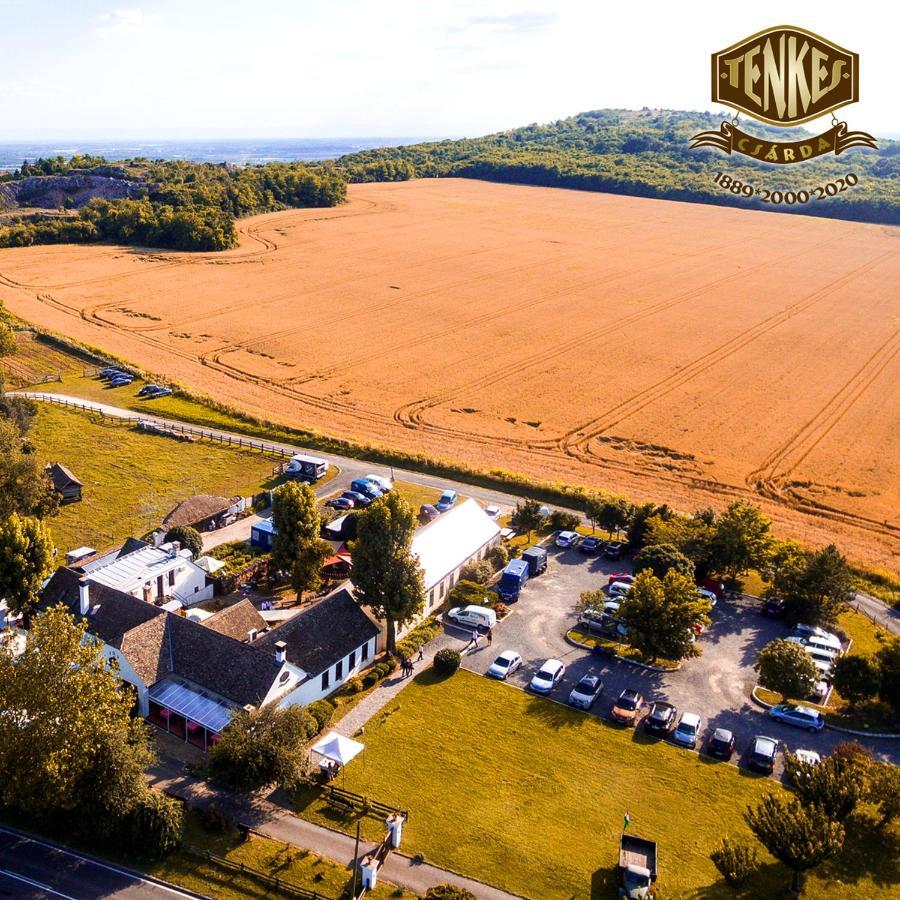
x=164, y=575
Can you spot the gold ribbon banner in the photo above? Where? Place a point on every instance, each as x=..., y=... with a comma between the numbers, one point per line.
x=730, y=139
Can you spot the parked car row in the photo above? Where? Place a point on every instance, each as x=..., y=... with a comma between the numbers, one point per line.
x=590, y=545
x=361, y=493
x=115, y=377
x=430, y=511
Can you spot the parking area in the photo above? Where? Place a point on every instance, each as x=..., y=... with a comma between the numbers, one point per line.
x=716, y=685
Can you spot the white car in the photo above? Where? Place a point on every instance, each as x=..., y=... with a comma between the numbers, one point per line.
x=566, y=539
x=493, y=512
x=586, y=692
x=820, y=690
x=611, y=607
x=810, y=757
x=820, y=635
x=687, y=730
x=382, y=481
x=547, y=677
x=708, y=595
x=618, y=589
x=504, y=665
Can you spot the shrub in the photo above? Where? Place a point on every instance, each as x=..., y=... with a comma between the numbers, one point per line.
x=735, y=862
x=498, y=556
x=390, y=664
x=563, y=520
x=213, y=819
x=153, y=826
x=371, y=678
x=448, y=892
x=501, y=609
x=355, y=685
x=447, y=661
x=322, y=711
x=478, y=572
x=468, y=593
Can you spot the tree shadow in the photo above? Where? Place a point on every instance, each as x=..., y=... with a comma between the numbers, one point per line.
x=554, y=714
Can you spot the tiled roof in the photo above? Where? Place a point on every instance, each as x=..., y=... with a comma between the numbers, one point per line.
x=236, y=620
x=323, y=634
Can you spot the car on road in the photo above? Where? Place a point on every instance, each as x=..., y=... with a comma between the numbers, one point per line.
x=721, y=744
x=547, y=677
x=428, y=513
x=357, y=498
x=800, y=716
x=590, y=545
x=448, y=499
x=628, y=707
x=340, y=503
x=613, y=550
x=687, y=730
x=761, y=755
x=585, y=693
x=479, y=617
x=149, y=389
x=661, y=718
x=566, y=539
x=504, y=665
x=773, y=608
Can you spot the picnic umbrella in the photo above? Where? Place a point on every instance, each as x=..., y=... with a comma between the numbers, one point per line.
x=337, y=748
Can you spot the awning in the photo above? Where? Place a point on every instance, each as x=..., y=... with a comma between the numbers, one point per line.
x=192, y=703
x=337, y=748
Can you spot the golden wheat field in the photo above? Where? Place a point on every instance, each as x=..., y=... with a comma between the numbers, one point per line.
x=670, y=351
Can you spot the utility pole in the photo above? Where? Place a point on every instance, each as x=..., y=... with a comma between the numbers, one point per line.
x=356, y=859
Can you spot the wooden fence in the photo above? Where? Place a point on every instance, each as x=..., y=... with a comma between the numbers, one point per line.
x=273, y=881
x=342, y=797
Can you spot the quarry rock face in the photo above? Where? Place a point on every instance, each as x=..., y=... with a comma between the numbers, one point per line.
x=53, y=191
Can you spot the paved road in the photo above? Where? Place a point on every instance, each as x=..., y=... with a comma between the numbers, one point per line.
x=33, y=868
x=716, y=685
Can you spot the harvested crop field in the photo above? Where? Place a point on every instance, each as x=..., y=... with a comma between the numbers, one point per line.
x=670, y=351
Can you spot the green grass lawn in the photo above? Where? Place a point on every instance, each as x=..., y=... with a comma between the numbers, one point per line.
x=300, y=867
x=530, y=795
x=132, y=480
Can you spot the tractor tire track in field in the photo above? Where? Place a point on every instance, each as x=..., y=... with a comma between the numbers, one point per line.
x=412, y=414
x=577, y=440
x=772, y=477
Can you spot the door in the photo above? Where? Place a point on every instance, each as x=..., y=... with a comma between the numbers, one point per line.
x=159, y=586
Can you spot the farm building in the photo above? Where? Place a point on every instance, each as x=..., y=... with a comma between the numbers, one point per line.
x=189, y=676
x=65, y=483
x=204, y=512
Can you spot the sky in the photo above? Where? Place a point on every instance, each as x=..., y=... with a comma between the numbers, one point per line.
x=351, y=68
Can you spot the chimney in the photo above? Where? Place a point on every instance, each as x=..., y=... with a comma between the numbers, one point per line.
x=84, y=596
x=280, y=652
x=251, y=635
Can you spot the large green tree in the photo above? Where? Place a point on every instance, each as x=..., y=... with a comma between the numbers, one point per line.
x=888, y=658
x=70, y=750
x=262, y=747
x=663, y=615
x=816, y=587
x=800, y=836
x=527, y=516
x=188, y=537
x=786, y=668
x=24, y=486
x=386, y=577
x=856, y=678
x=659, y=558
x=835, y=785
x=26, y=558
x=741, y=540
x=296, y=545
x=614, y=515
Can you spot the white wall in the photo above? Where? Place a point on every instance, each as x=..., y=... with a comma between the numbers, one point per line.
x=311, y=689
x=127, y=673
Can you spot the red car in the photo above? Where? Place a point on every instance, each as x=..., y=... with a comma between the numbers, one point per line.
x=625, y=577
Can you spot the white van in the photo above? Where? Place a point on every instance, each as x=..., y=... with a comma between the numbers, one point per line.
x=480, y=617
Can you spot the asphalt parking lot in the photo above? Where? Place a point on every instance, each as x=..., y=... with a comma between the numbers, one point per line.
x=716, y=685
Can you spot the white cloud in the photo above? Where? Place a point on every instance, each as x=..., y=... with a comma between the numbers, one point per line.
x=122, y=22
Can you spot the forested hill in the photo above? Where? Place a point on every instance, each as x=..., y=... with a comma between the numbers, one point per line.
x=163, y=203
x=646, y=153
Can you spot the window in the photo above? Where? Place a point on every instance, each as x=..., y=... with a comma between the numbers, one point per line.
x=171, y=578
x=443, y=589
x=431, y=597
x=364, y=653
x=339, y=670
x=351, y=660
x=325, y=675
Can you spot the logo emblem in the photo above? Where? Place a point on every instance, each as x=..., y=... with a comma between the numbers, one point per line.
x=784, y=76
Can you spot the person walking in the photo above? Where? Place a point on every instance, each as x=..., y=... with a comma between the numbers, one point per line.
x=421, y=652
x=474, y=639
x=490, y=636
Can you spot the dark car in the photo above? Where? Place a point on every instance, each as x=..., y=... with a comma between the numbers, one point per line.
x=591, y=545
x=628, y=707
x=773, y=608
x=120, y=381
x=340, y=503
x=661, y=718
x=149, y=389
x=427, y=512
x=357, y=498
x=721, y=744
x=614, y=550
x=761, y=755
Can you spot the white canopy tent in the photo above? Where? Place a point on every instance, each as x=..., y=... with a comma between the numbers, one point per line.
x=335, y=748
